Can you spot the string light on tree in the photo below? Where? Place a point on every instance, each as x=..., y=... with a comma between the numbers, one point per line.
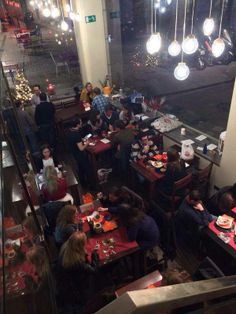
x=23, y=90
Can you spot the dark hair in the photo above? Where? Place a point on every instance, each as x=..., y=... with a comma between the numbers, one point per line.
x=18, y=103
x=233, y=191
x=129, y=215
x=75, y=122
x=108, y=107
x=119, y=124
x=195, y=196
x=226, y=202
x=173, y=155
x=127, y=107
x=37, y=85
x=97, y=91
x=142, y=134
x=45, y=146
x=93, y=116
x=43, y=97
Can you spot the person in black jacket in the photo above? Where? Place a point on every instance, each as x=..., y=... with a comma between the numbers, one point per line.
x=175, y=170
x=75, y=275
x=44, y=118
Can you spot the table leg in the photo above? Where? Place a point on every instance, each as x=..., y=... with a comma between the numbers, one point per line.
x=92, y=158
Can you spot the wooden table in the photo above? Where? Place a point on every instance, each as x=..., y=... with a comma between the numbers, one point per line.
x=150, y=175
x=93, y=152
x=153, y=278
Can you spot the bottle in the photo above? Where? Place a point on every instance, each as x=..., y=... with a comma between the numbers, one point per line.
x=205, y=149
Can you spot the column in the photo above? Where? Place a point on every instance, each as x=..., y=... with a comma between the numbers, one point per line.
x=91, y=40
x=226, y=173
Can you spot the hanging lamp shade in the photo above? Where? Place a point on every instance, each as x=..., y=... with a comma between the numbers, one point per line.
x=55, y=13
x=46, y=12
x=208, y=26
x=174, y=48
x=218, y=47
x=190, y=44
x=181, y=72
x=154, y=43
x=64, y=26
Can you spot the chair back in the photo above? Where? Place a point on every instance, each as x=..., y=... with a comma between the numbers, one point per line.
x=182, y=183
x=138, y=200
x=204, y=174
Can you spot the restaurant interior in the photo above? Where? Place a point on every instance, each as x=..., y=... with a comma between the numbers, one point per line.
x=117, y=163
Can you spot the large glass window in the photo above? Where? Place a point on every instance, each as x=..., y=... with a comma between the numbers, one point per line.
x=203, y=100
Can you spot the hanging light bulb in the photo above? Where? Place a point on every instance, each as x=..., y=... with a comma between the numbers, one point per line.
x=154, y=43
x=218, y=47
x=208, y=26
x=46, y=12
x=32, y=3
x=67, y=7
x=190, y=44
x=181, y=72
x=174, y=48
x=72, y=15
x=55, y=13
x=64, y=26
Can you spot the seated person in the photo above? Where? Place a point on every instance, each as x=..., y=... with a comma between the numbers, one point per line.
x=33, y=191
x=144, y=147
x=31, y=231
x=78, y=148
x=109, y=116
x=222, y=201
x=99, y=101
x=140, y=227
x=193, y=211
x=115, y=197
x=37, y=256
x=175, y=170
x=122, y=140
x=75, y=276
x=87, y=94
x=66, y=223
x=46, y=158
x=85, y=128
x=54, y=187
x=95, y=122
x=126, y=115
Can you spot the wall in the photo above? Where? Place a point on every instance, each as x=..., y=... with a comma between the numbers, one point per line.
x=91, y=40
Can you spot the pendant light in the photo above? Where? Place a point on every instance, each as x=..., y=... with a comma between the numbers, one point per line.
x=153, y=44
x=175, y=48
x=190, y=43
x=64, y=25
x=182, y=71
x=209, y=24
x=218, y=45
x=55, y=13
x=46, y=12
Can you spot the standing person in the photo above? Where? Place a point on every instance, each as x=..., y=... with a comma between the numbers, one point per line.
x=75, y=276
x=44, y=118
x=99, y=101
x=28, y=126
x=122, y=140
x=78, y=148
x=109, y=116
x=87, y=94
x=35, y=100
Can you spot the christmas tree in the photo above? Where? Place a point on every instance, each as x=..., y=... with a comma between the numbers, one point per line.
x=23, y=90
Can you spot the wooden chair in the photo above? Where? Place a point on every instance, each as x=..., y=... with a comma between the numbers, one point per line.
x=202, y=180
x=138, y=200
x=180, y=190
x=59, y=64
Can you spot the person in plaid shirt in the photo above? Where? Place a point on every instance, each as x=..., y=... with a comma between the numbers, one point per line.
x=99, y=101
x=144, y=147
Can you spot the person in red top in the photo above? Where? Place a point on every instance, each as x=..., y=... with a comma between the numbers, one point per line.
x=54, y=187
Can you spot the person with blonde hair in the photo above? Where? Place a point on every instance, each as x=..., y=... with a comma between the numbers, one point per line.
x=55, y=187
x=75, y=275
x=66, y=223
x=37, y=256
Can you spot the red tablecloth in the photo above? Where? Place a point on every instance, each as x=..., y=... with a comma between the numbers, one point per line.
x=234, y=210
x=99, y=146
x=121, y=243
x=213, y=228
x=158, y=175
